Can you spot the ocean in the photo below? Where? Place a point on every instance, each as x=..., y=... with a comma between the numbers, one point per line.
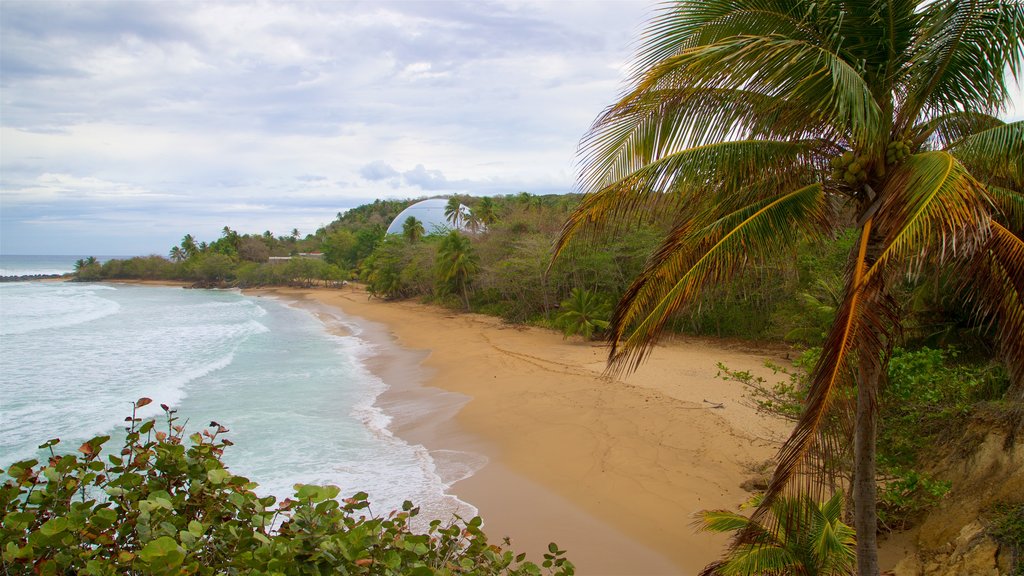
x=295, y=394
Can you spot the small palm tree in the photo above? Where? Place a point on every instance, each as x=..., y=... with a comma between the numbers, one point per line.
x=485, y=211
x=583, y=313
x=87, y=268
x=819, y=545
x=457, y=262
x=176, y=254
x=188, y=246
x=412, y=229
x=453, y=212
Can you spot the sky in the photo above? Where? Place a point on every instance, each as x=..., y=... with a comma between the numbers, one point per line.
x=125, y=125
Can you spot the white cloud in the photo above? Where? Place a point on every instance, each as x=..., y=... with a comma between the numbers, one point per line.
x=131, y=123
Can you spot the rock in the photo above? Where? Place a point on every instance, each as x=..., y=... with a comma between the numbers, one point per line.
x=909, y=566
x=979, y=560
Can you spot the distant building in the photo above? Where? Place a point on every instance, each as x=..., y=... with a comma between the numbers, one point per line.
x=310, y=255
x=431, y=214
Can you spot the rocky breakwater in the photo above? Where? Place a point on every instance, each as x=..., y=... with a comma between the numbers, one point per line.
x=30, y=277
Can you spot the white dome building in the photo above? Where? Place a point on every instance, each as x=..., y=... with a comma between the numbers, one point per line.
x=431, y=214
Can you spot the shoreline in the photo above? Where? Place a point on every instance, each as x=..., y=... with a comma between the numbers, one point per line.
x=611, y=470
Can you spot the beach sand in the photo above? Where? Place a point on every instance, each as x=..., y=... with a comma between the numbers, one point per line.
x=611, y=470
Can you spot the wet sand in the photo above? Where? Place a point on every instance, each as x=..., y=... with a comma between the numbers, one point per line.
x=612, y=470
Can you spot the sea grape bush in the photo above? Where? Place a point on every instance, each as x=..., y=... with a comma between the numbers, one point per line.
x=166, y=504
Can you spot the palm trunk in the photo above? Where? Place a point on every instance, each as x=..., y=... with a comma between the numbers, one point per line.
x=864, y=487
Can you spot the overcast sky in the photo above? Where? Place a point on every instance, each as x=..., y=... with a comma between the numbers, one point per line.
x=125, y=125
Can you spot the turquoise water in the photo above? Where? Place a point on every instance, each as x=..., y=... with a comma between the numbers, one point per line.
x=296, y=397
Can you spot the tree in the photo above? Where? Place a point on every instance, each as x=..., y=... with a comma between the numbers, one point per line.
x=412, y=229
x=213, y=268
x=583, y=313
x=188, y=246
x=339, y=247
x=457, y=263
x=253, y=249
x=760, y=124
x=820, y=545
x=453, y=212
x=485, y=211
x=87, y=269
x=176, y=254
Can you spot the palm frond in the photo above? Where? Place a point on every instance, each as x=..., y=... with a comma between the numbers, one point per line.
x=689, y=260
x=748, y=559
x=876, y=34
x=681, y=25
x=994, y=155
x=687, y=181
x=962, y=55
x=721, y=521
x=932, y=210
x=814, y=81
x=949, y=129
x=995, y=285
x=862, y=327
x=650, y=124
x=833, y=541
x=1010, y=207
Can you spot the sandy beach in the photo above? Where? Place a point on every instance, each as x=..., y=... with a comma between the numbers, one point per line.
x=611, y=470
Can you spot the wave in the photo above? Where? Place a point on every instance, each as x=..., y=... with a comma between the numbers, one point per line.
x=438, y=469
x=60, y=308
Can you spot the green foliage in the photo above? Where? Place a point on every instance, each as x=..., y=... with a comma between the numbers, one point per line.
x=457, y=264
x=340, y=248
x=165, y=504
x=928, y=392
x=212, y=267
x=583, y=313
x=798, y=537
x=87, y=269
x=784, y=398
x=382, y=270
x=905, y=495
x=1006, y=525
x=412, y=230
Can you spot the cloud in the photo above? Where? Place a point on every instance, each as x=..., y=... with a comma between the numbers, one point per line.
x=378, y=170
x=425, y=179
x=164, y=118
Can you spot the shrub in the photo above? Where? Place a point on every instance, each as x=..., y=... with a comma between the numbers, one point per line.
x=161, y=507
x=583, y=313
x=1007, y=527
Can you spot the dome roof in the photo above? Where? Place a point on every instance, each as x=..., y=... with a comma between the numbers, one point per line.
x=430, y=213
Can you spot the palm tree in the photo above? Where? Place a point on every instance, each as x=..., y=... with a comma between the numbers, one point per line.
x=412, y=229
x=583, y=313
x=760, y=123
x=188, y=246
x=176, y=254
x=457, y=262
x=472, y=222
x=453, y=212
x=820, y=545
x=485, y=211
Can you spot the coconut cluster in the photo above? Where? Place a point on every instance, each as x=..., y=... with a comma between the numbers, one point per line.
x=896, y=151
x=850, y=168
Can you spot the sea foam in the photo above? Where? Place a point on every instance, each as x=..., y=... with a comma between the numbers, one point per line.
x=296, y=396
